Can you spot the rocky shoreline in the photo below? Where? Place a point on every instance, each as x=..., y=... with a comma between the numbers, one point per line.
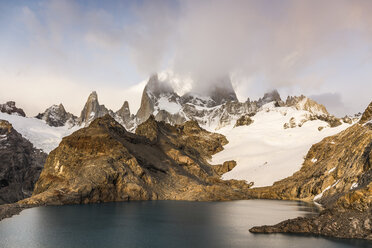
x=329, y=223
x=8, y=210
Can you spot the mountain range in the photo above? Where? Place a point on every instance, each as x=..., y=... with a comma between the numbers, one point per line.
x=195, y=146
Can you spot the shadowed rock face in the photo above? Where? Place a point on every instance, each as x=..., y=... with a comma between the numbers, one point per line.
x=104, y=162
x=336, y=173
x=10, y=108
x=124, y=111
x=270, y=97
x=56, y=116
x=223, y=92
x=20, y=165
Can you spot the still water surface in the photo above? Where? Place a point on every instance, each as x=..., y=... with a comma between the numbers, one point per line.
x=160, y=224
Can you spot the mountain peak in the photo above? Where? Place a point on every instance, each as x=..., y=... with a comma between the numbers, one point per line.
x=272, y=95
x=93, y=96
x=124, y=111
x=10, y=108
x=157, y=87
x=92, y=110
x=304, y=103
x=223, y=91
x=57, y=116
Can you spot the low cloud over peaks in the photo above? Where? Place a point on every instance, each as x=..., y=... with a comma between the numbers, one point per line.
x=311, y=46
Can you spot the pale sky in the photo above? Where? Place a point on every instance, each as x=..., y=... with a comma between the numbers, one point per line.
x=59, y=51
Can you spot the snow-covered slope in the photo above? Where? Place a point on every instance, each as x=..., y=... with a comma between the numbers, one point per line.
x=38, y=132
x=265, y=152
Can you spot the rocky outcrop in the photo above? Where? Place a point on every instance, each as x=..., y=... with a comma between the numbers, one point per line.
x=245, y=120
x=336, y=173
x=20, y=165
x=104, y=162
x=350, y=217
x=56, y=116
x=304, y=103
x=367, y=115
x=10, y=108
x=225, y=167
x=92, y=110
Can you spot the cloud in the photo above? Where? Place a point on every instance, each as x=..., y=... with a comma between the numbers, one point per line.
x=268, y=44
x=333, y=102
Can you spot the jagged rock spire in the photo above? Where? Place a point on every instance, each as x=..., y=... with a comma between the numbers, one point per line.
x=151, y=94
x=124, y=111
x=304, y=103
x=92, y=110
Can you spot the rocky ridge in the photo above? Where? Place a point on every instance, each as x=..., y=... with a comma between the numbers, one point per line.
x=20, y=165
x=337, y=174
x=216, y=108
x=104, y=162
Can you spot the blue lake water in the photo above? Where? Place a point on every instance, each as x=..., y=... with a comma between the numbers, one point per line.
x=160, y=224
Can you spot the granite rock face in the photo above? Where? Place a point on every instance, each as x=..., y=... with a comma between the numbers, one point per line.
x=20, y=165
x=56, y=116
x=10, y=108
x=124, y=111
x=104, y=162
x=336, y=173
x=92, y=110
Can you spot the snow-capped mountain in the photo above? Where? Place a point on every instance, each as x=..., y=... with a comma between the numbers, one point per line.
x=267, y=137
x=56, y=116
x=219, y=107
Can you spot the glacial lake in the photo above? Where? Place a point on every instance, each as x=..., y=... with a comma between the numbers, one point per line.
x=160, y=224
